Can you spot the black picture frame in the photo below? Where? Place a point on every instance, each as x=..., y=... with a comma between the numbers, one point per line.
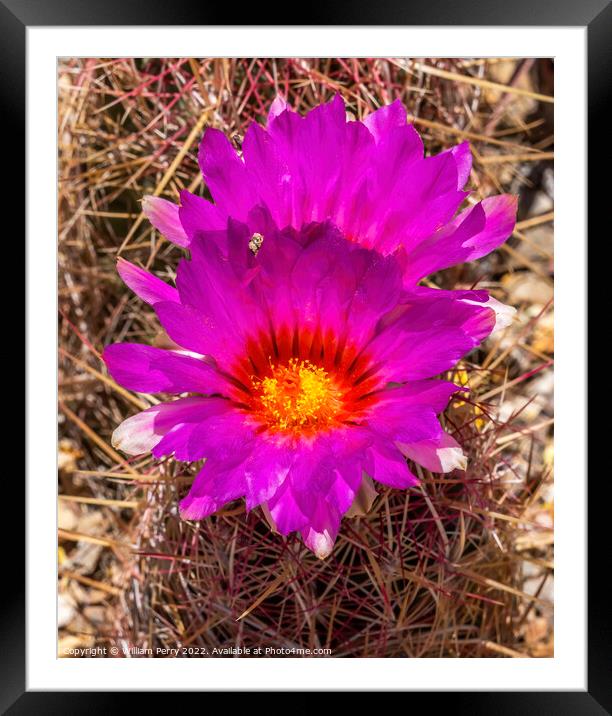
x=596, y=16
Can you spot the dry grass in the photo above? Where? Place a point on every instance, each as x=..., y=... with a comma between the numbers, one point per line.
x=461, y=566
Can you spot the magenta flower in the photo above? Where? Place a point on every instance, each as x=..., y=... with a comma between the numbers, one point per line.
x=305, y=367
x=369, y=178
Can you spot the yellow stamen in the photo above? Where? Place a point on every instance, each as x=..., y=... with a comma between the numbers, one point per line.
x=298, y=395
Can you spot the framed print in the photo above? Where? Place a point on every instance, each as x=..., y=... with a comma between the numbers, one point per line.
x=291, y=351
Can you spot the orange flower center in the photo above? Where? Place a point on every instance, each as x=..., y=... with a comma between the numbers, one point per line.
x=298, y=385
x=298, y=396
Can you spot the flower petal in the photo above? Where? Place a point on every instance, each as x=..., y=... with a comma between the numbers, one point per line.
x=146, y=286
x=504, y=314
x=398, y=420
x=265, y=471
x=278, y=106
x=500, y=218
x=221, y=434
x=143, y=431
x=442, y=455
x=428, y=335
x=227, y=441
x=322, y=531
x=136, y=435
x=386, y=118
x=462, y=155
x=164, y=215
x=212, y=488
x=204, y=334
x=146, y=369
x=472, y=234
x=198, y=216
x=225, y=175
x=285, y=510
x=386, y=464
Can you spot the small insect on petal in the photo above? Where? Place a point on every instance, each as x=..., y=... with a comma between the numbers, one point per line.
x=255, y=243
